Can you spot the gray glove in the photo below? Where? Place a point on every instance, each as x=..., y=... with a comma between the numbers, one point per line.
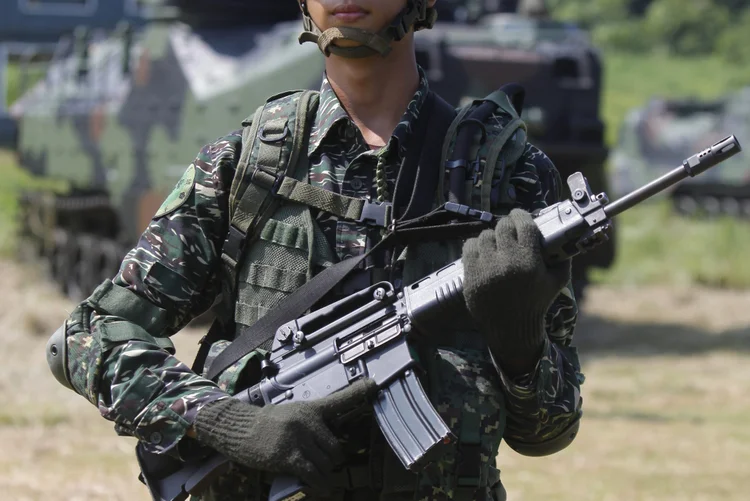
x=292, y=439
x=508, y=289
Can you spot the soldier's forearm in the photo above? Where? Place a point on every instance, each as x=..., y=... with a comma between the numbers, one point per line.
x=546, y=403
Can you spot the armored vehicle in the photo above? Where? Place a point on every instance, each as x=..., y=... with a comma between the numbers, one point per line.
x=45, y=21
x=659, y=135
x=121, y=119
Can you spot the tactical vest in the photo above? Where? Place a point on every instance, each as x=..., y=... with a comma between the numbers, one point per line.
x=273, y=246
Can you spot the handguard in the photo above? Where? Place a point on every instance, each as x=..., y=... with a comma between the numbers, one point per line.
x=57, y=356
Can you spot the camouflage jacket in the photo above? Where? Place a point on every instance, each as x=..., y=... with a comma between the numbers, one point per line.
x=153, y=396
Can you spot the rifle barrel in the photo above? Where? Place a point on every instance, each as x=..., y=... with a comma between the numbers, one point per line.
x=691, y=167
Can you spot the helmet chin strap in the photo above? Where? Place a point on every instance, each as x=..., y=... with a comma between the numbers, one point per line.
x=416, y=14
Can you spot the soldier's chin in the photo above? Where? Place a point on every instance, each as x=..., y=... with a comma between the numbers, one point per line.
x=346, y=44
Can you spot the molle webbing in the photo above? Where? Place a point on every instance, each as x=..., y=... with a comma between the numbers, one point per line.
x=278, y=152
x=348, y=208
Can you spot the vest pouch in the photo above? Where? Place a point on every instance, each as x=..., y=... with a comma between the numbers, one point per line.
x=465, y=390
x=278, y=262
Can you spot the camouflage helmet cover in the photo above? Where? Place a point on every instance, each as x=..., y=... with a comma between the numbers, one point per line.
x=415, y=14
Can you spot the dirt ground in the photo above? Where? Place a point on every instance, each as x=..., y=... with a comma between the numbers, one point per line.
x=666, y=404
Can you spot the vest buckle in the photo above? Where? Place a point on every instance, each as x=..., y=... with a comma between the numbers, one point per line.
x=267, y=180
x=376, y=214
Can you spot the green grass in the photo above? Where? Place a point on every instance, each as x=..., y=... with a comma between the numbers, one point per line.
x=658, y=247
x=19, y=81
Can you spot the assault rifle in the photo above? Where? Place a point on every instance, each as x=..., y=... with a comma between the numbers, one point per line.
x=368, y=335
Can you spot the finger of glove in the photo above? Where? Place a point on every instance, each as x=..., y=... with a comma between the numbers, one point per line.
x=310, y=475
x=319, y=457
x=345, y=399
x=527, y=232
x=505, y=231
x=470, y=252
x=487, y=241
x=327, y=443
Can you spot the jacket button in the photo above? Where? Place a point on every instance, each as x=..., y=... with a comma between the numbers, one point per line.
x=155, y=438
x=357, y=184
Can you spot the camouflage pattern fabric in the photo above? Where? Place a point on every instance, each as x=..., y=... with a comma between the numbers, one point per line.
x=153, y=396
x=341, y=161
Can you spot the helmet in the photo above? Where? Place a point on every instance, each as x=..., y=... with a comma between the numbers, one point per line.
x=416, y=14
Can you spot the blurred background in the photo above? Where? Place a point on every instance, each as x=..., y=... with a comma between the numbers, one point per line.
x=105, y=103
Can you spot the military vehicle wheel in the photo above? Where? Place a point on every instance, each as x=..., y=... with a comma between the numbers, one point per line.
x=731, y=207
x=686, y=205
x=60, y=265
x=88, y=268
x=711, y=206
x=111, y=257
x=72, y=283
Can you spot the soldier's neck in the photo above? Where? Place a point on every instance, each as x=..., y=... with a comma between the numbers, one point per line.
x=375, y=91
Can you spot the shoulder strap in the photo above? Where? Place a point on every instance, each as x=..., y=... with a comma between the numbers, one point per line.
x=276, y=140
x=426, y=177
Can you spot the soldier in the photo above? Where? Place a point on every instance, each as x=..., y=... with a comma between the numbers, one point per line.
x=514, y=376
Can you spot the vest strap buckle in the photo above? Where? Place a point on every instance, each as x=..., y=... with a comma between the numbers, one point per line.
x=376, y=213
x=268, y=180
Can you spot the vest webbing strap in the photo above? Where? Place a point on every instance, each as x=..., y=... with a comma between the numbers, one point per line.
x=290, y=189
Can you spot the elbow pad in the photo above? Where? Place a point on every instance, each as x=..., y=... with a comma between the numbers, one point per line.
x=57, y=356
x=548, y=447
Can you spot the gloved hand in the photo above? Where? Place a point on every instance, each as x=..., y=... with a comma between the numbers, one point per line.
x=292, y=439
x=508, y=289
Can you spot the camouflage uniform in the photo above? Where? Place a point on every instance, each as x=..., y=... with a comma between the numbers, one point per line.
x=153, y=396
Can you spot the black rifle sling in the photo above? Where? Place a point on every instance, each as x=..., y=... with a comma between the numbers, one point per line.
x=425, y=179
x=261, y=333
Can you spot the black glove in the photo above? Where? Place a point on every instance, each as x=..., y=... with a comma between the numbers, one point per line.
x=508, y=289
x=291, y=438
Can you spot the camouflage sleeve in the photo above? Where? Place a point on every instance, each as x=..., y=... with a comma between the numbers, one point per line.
x=114, y=360
x=544, y=403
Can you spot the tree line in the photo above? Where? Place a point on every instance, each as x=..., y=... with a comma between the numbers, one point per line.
x=679, y=27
